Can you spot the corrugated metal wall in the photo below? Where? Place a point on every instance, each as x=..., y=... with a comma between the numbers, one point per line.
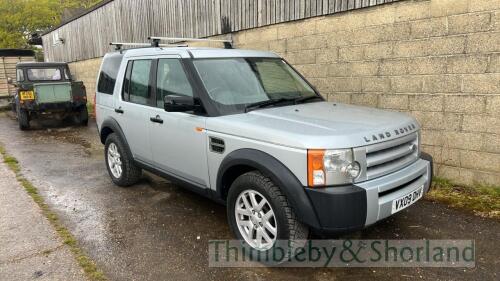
x=136, y=20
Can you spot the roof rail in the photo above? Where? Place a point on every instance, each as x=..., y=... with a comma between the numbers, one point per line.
x=120, y=45
x=155, y=41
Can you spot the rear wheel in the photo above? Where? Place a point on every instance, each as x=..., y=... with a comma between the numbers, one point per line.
x=23, y=119
x=119, y=162
x=261, y=217
x=82, y=116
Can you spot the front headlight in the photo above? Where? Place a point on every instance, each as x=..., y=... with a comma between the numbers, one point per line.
x=332, y=167
x=419, y=144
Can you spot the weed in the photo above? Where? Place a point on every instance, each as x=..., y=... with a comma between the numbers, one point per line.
x=83, y=260
x=483, y=200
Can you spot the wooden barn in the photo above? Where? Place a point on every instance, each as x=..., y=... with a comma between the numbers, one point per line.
x=8, y=60
x=88, y=35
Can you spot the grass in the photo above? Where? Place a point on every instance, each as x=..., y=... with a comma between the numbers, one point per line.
x=88, y=266
x=90, y=109
x=482, y=200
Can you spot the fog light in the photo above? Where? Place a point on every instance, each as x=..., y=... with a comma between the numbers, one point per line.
x=352, y=170
x=318, y=177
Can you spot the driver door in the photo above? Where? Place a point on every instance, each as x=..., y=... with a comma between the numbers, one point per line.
x=178, y=140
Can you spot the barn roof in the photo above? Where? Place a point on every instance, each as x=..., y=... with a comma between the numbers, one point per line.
x=90, y=10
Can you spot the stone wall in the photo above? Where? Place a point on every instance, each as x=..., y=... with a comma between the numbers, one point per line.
x=438, y=60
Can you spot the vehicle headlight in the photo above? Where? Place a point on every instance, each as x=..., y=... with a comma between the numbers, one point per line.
x=419, y=144
x=331, y=167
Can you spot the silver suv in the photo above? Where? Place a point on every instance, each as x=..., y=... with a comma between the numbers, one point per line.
x=245, y=129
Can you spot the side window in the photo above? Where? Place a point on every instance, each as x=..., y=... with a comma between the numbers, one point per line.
x=20, y=75
x=109, y=72
x=136, y=86
x=66, y=74
x=171, y=80
x=126, y=82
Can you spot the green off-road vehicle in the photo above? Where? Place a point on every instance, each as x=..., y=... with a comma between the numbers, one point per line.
x=47, y=89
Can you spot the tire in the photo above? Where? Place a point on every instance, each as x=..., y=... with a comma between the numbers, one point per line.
x=82, y=117
x=290, y=232
x=130, y=173
x=23, y=119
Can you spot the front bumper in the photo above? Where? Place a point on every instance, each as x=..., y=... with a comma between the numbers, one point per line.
x=351, y=207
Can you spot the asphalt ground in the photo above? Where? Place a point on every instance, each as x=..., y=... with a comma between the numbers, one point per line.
x=158, y=231
x=30, y=249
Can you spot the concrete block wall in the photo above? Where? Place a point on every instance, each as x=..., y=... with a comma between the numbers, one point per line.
x=87, y=71
x=438, y=60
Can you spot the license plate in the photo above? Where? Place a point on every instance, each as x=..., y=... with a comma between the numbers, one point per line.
x=407, y=200
x=27, y=95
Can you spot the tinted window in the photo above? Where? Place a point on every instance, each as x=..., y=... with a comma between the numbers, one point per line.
x=44, y=74
x=138, y=89
x=109, y=72
x=171, y=80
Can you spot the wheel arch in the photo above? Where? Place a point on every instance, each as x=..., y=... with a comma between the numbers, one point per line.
x=241, y=161
x=110, y=126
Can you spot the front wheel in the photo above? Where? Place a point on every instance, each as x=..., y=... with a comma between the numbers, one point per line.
x=119, y=162
x=261, y=217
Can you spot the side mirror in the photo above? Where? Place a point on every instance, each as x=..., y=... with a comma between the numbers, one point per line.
x=10, y=81
x=178, y=103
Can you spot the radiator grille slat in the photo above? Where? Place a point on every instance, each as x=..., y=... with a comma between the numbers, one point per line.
x=384, y=156
x=387, y=157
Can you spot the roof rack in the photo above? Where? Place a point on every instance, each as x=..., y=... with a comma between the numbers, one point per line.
x=119, y=45
x=155, y=41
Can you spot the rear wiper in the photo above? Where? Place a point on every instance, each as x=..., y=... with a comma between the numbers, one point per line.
x=304, y=99
x=266, y=103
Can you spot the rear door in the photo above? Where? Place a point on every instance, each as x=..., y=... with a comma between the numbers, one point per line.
x=133, y=107
x=178, y=139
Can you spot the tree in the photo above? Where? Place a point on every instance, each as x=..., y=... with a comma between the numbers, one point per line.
x=21, y=18
x=86, y=4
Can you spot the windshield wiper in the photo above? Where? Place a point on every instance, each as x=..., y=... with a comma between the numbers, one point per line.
x=304, y=99
x=266, y=103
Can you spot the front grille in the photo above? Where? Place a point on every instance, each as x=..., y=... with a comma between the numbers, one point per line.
x=387, y=157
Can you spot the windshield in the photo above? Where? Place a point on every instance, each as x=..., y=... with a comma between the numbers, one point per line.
x=235, y=83
x=44, y=74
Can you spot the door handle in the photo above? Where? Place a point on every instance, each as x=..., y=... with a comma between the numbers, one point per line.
x=119, y=110
x=156, y=119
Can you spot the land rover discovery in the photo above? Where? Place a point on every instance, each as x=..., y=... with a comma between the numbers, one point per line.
x=244, y=128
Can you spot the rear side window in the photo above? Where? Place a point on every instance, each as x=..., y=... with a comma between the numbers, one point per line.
x=66, y=74
x=20, y=75
x=109, y=72
x=136, y=86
